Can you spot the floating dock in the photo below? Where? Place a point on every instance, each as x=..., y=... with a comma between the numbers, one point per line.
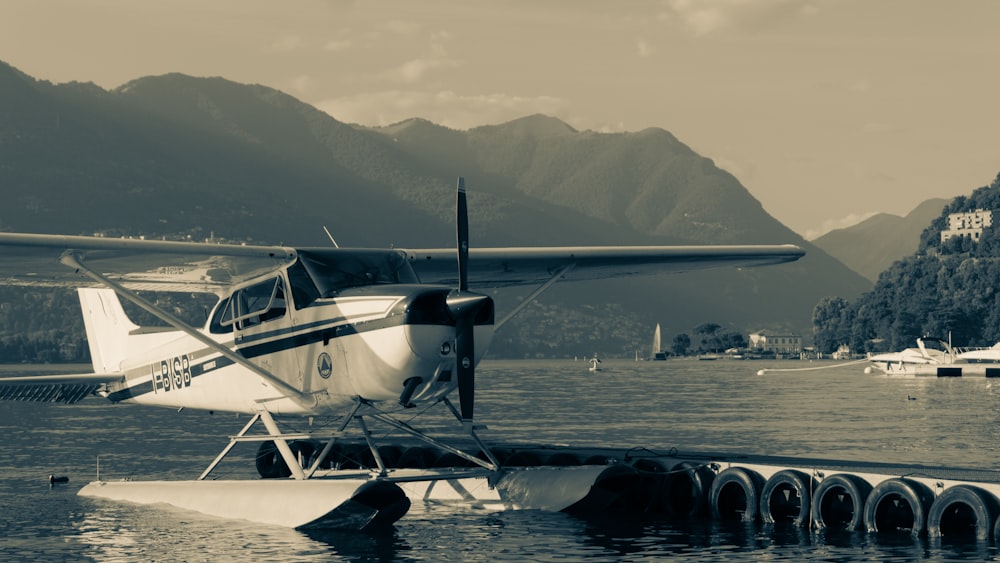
x=809, y=493
x=946, y=370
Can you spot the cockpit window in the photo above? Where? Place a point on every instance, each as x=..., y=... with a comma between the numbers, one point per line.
x=252, y=305
x=335, y=270
x=304, y=291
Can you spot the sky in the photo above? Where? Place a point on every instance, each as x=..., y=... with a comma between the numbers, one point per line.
x=827, y=111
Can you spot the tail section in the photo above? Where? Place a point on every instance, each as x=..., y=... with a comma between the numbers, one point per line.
x=108, y=328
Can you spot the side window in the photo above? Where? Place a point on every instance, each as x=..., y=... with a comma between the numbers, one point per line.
x=250, y=306
x=222, y=319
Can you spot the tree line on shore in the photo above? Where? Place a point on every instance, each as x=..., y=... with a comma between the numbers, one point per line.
x=948, y=288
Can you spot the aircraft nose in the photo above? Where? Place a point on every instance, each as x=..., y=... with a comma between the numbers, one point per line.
x=442, y=307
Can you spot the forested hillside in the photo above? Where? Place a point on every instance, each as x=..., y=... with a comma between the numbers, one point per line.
x=178, y=156
x=950, y=287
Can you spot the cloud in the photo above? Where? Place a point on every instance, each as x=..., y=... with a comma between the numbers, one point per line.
x=338, y=45
x=287, y=44
x=416, y=69
x=704, y=17
x=643, y=48
x=436, y=58
x=834, y=224
x=300, y=84
x=443, y=107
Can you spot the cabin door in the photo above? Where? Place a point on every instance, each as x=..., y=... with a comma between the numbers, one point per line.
x=263, y=329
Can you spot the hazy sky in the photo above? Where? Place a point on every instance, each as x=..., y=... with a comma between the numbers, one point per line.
x=826, y=110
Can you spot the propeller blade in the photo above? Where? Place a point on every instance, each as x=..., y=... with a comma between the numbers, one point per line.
x=463, y=237
x=465, y=358
x=464, y=307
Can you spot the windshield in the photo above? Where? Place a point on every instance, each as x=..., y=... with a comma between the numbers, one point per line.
x=337, y=269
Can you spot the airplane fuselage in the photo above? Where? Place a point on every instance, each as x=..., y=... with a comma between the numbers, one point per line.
x=365, y=340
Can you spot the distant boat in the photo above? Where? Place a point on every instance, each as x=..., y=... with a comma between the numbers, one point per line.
x=935, y=356
x=926, y=357
x=595, y=364
x=658, y=353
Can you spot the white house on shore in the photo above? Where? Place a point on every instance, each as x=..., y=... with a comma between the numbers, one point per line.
x=778, y=343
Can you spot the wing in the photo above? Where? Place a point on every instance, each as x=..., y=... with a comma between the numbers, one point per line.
x=64, y=388
x=499, y=267
x=155, y=265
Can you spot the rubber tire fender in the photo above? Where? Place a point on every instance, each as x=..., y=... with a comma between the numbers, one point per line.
x=748, y=482
x=982, y=504
x=851, y=486
x=914, y=493
x=687, y=489
x=270, y=464
x=417, y=457
x=778, y=484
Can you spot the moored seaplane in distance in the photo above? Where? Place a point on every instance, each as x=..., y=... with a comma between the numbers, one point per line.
x=356, y=335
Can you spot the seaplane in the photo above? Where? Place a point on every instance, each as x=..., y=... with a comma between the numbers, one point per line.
x=353, y=335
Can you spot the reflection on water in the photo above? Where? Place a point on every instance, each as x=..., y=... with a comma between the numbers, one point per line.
x=723, y=406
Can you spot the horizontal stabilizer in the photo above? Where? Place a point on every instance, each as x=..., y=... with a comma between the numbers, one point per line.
x=68, y=389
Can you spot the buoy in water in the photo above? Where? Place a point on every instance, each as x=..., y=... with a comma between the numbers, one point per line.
x=54, y=480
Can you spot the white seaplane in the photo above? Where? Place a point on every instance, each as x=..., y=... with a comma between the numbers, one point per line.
x=352, y=334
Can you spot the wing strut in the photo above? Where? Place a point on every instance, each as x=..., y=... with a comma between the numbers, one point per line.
x=527, y=300
x=73, y=261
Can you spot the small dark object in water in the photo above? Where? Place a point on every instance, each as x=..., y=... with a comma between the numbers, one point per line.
x=53, y=479
x=909, y=398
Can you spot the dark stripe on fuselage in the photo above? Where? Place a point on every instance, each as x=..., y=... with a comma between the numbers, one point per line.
x=303, y=338
x=295, y=339
x=145, y=387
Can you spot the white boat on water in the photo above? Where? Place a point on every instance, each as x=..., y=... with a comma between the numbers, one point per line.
x=936, y=357
x=929, y=353
x=595, y=363
x=989, y=355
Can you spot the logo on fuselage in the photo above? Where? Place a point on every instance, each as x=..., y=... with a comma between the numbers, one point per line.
x=324, y=365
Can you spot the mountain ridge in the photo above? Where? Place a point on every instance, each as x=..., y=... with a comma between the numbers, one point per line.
x=873, y=245
x=179, y=154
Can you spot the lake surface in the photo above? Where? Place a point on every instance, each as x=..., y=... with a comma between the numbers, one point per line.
x=827, y=411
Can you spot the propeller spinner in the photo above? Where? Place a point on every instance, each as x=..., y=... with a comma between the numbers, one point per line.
x=464, y=306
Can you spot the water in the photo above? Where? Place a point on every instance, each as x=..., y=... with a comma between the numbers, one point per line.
x=837, y=413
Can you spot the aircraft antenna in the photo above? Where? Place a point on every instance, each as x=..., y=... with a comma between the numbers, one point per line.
x=327, y=231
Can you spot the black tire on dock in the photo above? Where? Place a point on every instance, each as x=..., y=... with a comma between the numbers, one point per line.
x=418, y=457
x=650, y=466
x=390, y=455
x=598, y=460
x=332, y=458
x=449, y=459
x=687, y=489
x=356, y=456
x=523, y=459
x=563, y=459
x=898, y=504
x=785, y=498
x=735, y=494
x=613, y=491
x=305, y=450
x=270, y=464
x=838, y=502
x=962, y=511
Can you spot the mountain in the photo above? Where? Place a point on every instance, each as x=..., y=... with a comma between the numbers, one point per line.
x=871, y=246
x=174, y=155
